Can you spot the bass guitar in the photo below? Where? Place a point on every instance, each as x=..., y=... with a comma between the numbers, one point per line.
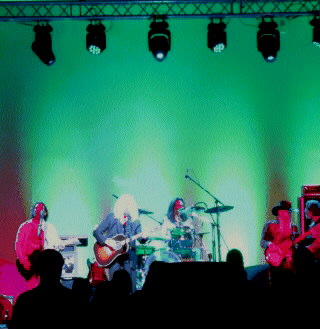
x=105, y=254
x=275, y=254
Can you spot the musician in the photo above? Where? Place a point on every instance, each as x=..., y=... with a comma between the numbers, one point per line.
x=277, y=238
x=35, y=235
x=123, y=220
x=175, y=217
x=181, y=228
x=312, y=239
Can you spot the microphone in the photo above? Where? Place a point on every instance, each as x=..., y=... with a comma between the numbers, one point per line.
x=40, y=226
x=186, y=175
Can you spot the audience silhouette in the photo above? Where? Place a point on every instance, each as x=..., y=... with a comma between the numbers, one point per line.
x=184, y=287
x=50, y=304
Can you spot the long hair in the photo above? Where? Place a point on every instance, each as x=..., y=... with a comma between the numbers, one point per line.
x=170, y=212
x=43, y=212
x=126, y=204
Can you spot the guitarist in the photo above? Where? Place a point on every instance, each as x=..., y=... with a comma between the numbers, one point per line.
x=277, y=239
x=123, y=220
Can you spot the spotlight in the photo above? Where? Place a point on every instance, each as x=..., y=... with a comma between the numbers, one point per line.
x=159, y=40
x=315, y=22
x=96, y=38
x=42, y=45
x=268, y=40
x=217, y=37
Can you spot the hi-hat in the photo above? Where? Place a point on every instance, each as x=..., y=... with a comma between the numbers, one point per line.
x=218, y=209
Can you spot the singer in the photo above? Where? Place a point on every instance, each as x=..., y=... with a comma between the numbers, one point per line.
x=33, y=236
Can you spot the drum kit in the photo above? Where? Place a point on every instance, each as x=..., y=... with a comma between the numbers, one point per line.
x=179, y=248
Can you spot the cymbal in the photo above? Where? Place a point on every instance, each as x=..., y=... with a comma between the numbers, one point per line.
x=144, y=212
x=215, y=210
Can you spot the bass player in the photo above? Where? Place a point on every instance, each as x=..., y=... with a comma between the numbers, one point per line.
x=277, y=239
x=122, y=222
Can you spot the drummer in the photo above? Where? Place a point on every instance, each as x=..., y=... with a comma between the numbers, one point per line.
x=183, y=230
x=178, y=227
x=175, y=217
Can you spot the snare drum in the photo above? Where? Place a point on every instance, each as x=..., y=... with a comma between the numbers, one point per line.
x=181, y=238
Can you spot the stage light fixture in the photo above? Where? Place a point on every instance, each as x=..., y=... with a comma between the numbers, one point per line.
x=217, y=37
x=96, y=41
x=315, y=22
x=268, y=40
x=159, y=39
x=42, y=45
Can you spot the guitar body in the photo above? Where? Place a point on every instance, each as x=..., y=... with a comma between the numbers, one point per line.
x=105, y=255
x=275, y=254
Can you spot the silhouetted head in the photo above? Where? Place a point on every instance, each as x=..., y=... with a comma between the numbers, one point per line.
x=121, y=283
x=49, y=264
x=234, y=256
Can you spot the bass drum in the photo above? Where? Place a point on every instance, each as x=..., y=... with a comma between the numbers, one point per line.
x=162, y=256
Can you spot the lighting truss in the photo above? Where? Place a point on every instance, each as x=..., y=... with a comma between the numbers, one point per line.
x=112, y=10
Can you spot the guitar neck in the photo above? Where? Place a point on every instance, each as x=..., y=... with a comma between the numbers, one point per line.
x=139, y=235
x=134, y=237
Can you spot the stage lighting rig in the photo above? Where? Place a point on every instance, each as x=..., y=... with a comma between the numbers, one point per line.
x=159, y=39
x=217, y=37
x=42, y=45
x=96, y=41
x=315, y=22
x=268, y=40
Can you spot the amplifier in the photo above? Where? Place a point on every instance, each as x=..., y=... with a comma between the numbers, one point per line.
x=83, y=239
x=311, y=190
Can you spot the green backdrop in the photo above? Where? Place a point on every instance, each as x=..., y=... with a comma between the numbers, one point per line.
x=90, y=126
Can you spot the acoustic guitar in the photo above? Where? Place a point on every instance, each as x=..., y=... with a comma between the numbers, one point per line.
x=105, y=255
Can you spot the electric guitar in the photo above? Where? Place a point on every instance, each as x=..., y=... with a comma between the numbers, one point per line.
x=275, y=254
x=105, y=255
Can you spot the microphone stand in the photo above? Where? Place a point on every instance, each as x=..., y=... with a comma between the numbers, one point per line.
x=213, y=224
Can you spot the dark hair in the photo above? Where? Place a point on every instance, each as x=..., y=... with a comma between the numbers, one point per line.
x=45, y=211
x=170, y=212
x=234, y=256
x=314, y=209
